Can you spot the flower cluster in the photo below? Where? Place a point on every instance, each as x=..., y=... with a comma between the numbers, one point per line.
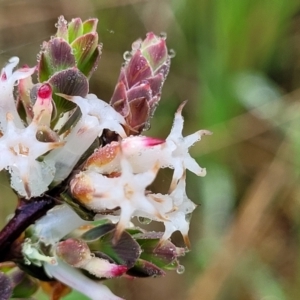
x=62, y=144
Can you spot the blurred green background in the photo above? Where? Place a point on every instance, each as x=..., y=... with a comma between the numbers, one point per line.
x=238, y=64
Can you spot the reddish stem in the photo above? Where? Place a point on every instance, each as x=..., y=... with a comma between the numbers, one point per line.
x=26, y=214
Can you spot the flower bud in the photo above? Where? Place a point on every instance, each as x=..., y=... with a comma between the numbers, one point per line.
x=76, y=253
x=138, y=90
x=42, y=108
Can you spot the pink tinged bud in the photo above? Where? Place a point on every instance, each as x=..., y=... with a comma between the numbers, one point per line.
x=45, y=92
x=138, y=143
x=82, y=188
x=75, y=279
x=155, y=50
x=143, y=152
x=76, y=253
x=105, y=159
x=25, y=85
x=43, y=107
x=73, y=251
x=140, y=82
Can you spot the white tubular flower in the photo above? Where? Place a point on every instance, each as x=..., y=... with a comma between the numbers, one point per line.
x=177, y=208
x=8, y=79
x=107, y=117
x=180, y=158
x=19, y=150
x=179, y=217
x=107, y=159
x=127, y=191
x=144, y=152
x=77, y=142
x=78, y=281
x=57, y=223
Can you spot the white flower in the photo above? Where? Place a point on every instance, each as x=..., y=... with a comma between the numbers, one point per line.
x=107, y=117
x=177, y=208
x=78, y=281
x=19, y=152
x=180, y=158
x=57, y=223
x=77, y=142
x=127, y=191
x=144, y=152
x=8, y=79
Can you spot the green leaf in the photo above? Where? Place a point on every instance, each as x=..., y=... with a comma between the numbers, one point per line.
x=87, y=52
x=75, y=29
x=81, y=211
x=90, y=25
x=97, y=232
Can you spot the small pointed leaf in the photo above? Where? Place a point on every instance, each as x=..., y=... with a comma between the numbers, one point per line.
x=143, y=268
x=160, y=255
x=124, y=252
x=82, y=212
x=90, y=25
x=97, y=232
x=70, y=82
x=86, y=51
x=56, y=56
x=75, y=29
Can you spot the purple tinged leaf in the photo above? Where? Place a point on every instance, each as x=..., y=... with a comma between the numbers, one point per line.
x=75, y=29
x=137, y=69
x=155, y=252
x=5, y=287
x=141, y=91
x=143, y=268
x=69, y=82
x=23, y=285
x=119, y=99
x=124, y=252
x=155, y=51
x=55, y=56
x=138, y=113
x=156, y=83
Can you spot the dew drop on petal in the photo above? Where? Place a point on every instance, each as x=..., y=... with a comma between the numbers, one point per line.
x=180, y=269
x=136, y=45
x=163, y=35
x=127, y=55
x=144, y=220
x=171, y=53
x=186, y=249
